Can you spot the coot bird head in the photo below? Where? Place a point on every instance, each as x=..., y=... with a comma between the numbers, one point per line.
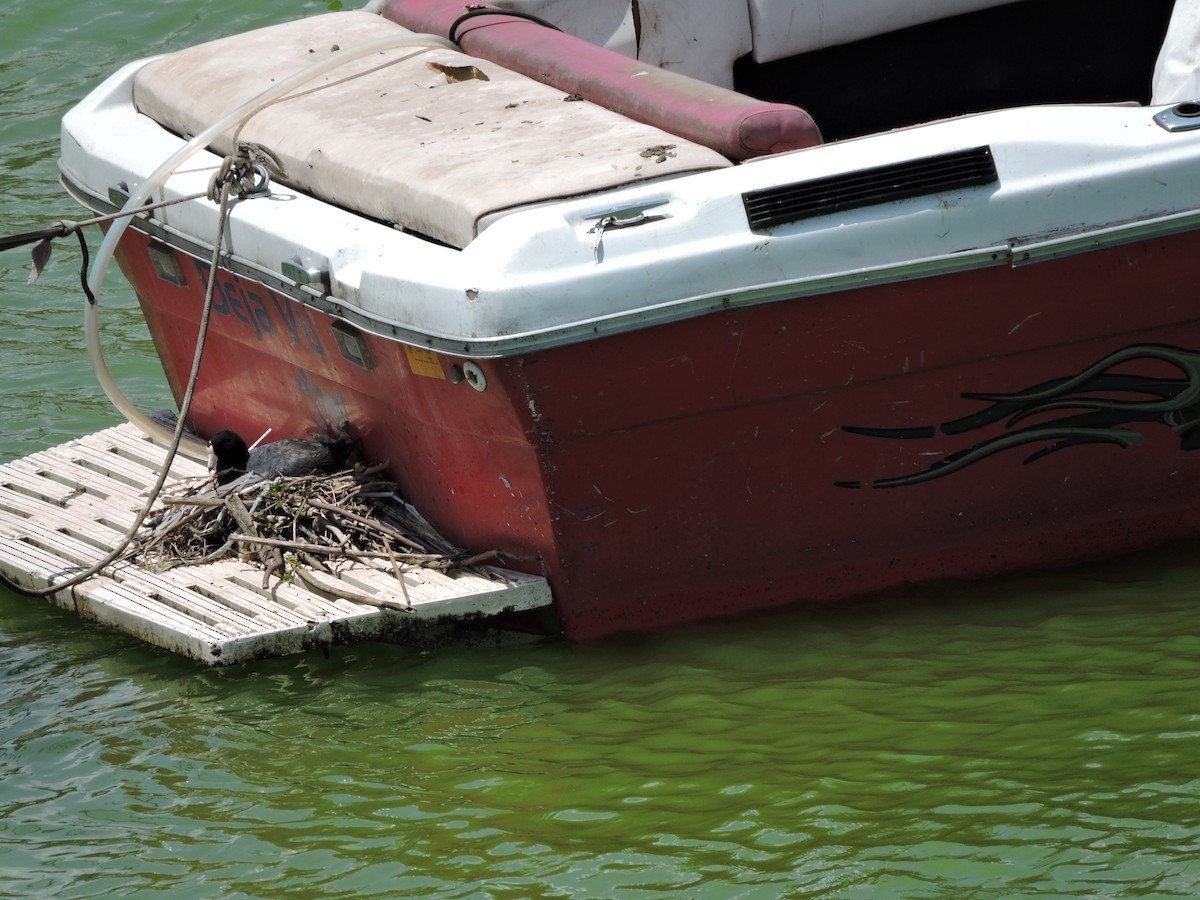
x=228, y=456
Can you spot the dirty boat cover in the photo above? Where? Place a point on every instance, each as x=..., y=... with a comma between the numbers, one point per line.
x=395, y=138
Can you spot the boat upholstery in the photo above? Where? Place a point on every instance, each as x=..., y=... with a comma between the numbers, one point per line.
x=1177, y=70
x=666, y=33
x=663, y=33
x=737, y=126
x=783, y=28
x=401, y=142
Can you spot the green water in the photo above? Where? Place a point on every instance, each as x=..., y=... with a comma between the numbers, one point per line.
x=1029, y=737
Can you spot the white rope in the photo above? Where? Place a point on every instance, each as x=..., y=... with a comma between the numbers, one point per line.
x=236, y=118
x=185, y=406
x=238, y=170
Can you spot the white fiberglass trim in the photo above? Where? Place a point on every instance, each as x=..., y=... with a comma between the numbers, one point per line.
x=154, y=182
x=1071, y=179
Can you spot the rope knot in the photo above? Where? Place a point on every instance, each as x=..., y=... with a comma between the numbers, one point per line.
x=248, y=172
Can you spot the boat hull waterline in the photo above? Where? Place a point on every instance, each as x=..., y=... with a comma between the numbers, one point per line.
x=679, y=384
x=793, y=451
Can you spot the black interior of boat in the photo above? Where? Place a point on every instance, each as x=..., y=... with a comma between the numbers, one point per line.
x=1026, y=53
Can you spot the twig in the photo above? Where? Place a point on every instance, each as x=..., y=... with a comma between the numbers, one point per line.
x=362, y=520
x=340, y=590
x=318, y=518
x=396, y=571
x=276, y=564
x=302, y=547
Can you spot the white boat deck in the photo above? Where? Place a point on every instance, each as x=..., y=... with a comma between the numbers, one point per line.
x=64, y=509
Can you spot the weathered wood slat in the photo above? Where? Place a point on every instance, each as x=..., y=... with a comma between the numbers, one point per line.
x=19, y=483
x=134, y=449
x=63, y=509
x=64, y=470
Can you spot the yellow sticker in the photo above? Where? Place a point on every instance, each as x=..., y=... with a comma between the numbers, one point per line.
x=424, y=362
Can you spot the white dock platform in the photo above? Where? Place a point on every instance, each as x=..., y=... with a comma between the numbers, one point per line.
x=63, y=509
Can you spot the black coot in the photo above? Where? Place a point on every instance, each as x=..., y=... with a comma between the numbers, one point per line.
x=229, y=456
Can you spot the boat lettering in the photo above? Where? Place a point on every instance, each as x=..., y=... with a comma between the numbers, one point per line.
x=310, y=333
x=262, y=318
x=218, y=301
x=230, y=290
x=287, y=312
x=250, y=307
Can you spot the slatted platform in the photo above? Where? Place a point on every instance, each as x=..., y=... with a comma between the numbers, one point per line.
x=63, y=509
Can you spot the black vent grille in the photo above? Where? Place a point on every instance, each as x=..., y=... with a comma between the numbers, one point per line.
x=867, y=187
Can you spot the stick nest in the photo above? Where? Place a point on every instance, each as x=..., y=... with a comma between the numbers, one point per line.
x=299, y=527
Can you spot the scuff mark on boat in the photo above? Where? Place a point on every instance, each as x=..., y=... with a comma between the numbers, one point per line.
x=1028, y=318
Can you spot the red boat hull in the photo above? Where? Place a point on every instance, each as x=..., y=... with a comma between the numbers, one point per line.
x=805, y=450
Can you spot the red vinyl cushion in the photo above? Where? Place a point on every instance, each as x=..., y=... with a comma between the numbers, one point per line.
x=737, y=126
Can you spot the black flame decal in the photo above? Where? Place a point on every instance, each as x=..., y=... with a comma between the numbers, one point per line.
x=1099, y=403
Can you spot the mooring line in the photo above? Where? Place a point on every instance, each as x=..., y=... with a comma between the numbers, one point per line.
x=232, y=173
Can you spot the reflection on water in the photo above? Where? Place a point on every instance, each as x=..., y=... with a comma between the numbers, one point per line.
x=1030, y=735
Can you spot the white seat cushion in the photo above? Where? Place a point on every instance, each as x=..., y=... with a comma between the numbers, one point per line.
x=398, y=141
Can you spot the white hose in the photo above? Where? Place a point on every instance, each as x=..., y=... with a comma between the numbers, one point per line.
x=91, y=319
